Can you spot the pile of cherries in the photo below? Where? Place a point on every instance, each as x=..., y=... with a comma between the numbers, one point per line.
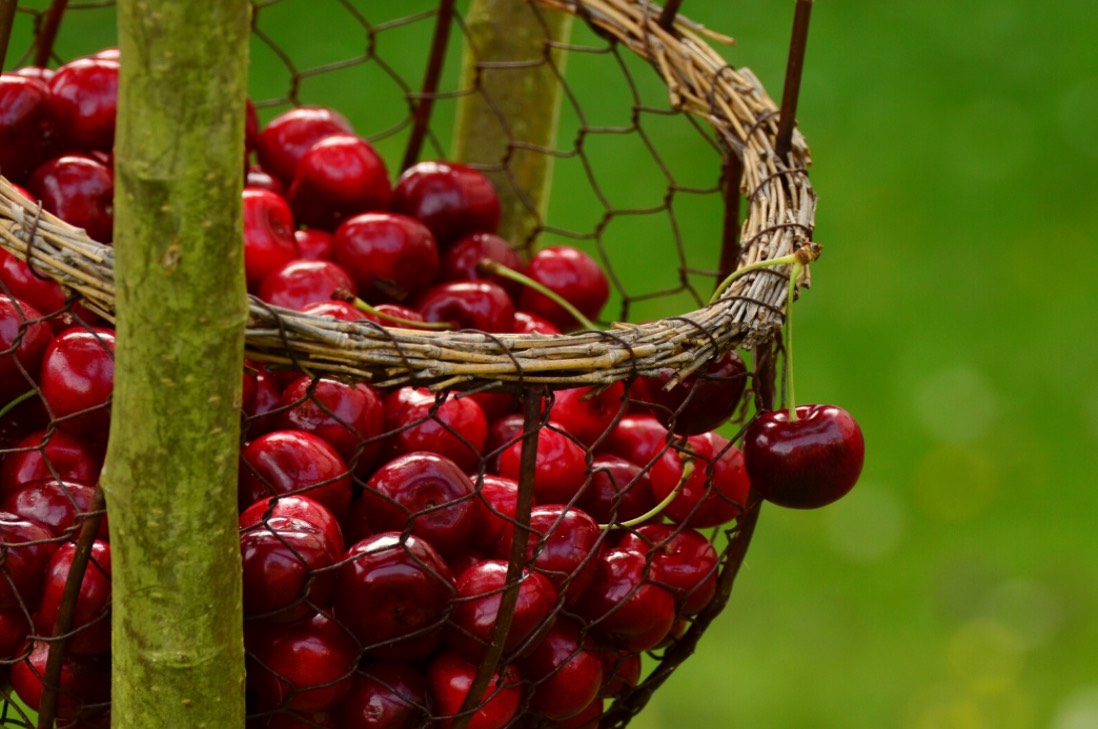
x=377, y=526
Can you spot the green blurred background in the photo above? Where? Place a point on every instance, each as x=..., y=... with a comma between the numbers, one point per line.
x=953, y=312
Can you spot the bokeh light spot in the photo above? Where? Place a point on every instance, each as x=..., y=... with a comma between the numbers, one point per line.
x=1033, y=611
x=1078, y=711
x=986, y=656
x=954, y=483
x=956, y=404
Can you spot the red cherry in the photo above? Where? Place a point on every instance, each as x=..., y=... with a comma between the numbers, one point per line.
x=619, y=491
x=703, y=400
x=268, y=235
x=26, y=552
x=480, y=305
x=393, y=592
x=573, y=275
x=621, y=670
x=298, y=507
x=350, y=418
x=80, y=191
x=586, y=719
x=588, y=412
x=636, y=438
x=449, y=679
x=84, y=687
x=804, y=463
x=14, y=629
x=36, y=72
x=91, y=624
x=293, y=461
x=461, y=260
x=304, y=666
x=258, y=179
x=392, y=310
x=452, y=200
x=424, y=492
x=59, y=505
x=625, y=604
x=27, y=417
x=384, y=696
x=476, y=609
x=561, y=543
x=257, y=410
x=314, y=244
x=27, y=125
x=560, y=470
x=717, y=490
x=300, y=283
x=42, y=293
x=450, y=426
x=527, y=323
x=47, y=454
x=686, y=561
x=251, y=126
x=290, y=134
x=24, y=338
x=566, y=672
x=339, y=176
x=390, y=257
x=499, y=502
x=78, y=379
x=339, y=310
x=282, y=558
x=84, y=94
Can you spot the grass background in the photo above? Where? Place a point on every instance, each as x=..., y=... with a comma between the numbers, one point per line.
x=953, y=312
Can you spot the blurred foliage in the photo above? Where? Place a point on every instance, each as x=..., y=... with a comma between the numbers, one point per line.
x=957, y=586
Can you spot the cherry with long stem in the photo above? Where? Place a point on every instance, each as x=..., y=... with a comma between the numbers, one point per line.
x=489, y=266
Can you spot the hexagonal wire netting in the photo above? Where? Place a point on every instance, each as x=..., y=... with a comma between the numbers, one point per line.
x=644, y=137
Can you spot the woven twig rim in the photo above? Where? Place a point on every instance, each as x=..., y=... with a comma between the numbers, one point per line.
x=780, y=216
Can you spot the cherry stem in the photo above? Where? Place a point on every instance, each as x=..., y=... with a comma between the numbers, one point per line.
x=15, y=402
x=790, y=403
x=398, y=320
x=487, y=265
x=687, y=472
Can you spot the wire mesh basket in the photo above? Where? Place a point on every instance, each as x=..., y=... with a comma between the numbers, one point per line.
x=653, y=136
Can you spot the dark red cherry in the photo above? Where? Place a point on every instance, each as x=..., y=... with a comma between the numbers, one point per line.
x=454, y=427
x=574, y=276
x=452, y=200
x=299, y=507
x=804, y=463
x=269, y=242
x=84, y=95
x=561, y=544
x=59, y=505
x=14, y=629
x=91, y=623
x=27, y=125
x=300, y=283
x=619, y=491
x=284, y=565
x=621, y=671
x=84, y=687
x=714, y=494
x=588, y=412
x=24, y=338
x=351, y=418
x=80, y=191
x=304, y=666
x=293, y=461
x=393, y=592
x=480, y=305
x=702, y=401
x=560, y=470
x=290, y=135
x=425, y=493
x=687, y=562
x=27, y=417
x=476, y=608
x=314, y=244
x=339, y=310
x=50, y=453
x=77, y=379
x=42, y=293
x=449, y=679
x=527, y=323
x=257, y=178
x=625, y=603
x=565, y=670
x=27, y=547
x=461, y=262
x=499, y=503
x=339, y=176
x=636, y=438
x=391, y=257
x=384, y=696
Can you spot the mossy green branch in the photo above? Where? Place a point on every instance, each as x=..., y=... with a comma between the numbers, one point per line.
x=517, y=107
x=170, y=474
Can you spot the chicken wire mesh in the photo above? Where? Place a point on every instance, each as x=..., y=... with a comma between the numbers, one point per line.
x=563, y=438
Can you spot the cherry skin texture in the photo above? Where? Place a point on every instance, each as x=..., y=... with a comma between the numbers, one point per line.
x=461, y=261
x=286, y=461
x=686, y=560
x=304, y=666
x=314, y=244
x=384, y=696
x=449, y=679
x=301, y=282
x=78, y=379
x=80, y=191
x=269, y=242
x=476, y=609
x=480, y=305
x=55, y=504
x=621, y=671
x=454, y=427
x=391, y=257
x=702, y=401
x=807, y=463
x=339, y=176
x=561, y=543
x=636, y=438
x=91, y=623
x=452, y=200
x=717, y=490
x=84, y=94
x=27, y=125
x=625, y=603
x=338, y=310
x=499, y=502
x=527, y=323
x=619, y=491
x=566, y=672
x=573, y=275
x=26, y=553
x=348, y=417
x=560, y=469
x=19, y=322
x=280, y=559
x=42, y=453
x=427, y=493
x=393, y=593
x=290, y=135
x=588, y=412
x=299, y=507
x=85, y=681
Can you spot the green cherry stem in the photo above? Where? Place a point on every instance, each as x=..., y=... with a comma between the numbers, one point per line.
x=794, y=274
x=398, y=320
x=687, y=472
x=15, y=402
x=805, y=255
x=487, y=265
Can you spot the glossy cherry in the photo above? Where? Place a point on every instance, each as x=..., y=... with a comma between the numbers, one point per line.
x=293, y=461
x=77, y=379
x=561, y=544
x=618, y=491
x=91, y=624
x=685, y=559
x=451, y=199
x=625, y=604
x=350, y=417
x=299, y=507
x=481, y=305
x=527, y=323
x=566, y=672
x=80, y=191
x=393, y=592
x=84, y=95
x=384, y=696
x=714, y=494
x=290, y=135
x=499, y=502
x=703, y=400
x=47, y=454
x=450, y=426
x=339, y=176
x=27, y=549
x=574, y=276
x=314, y=244
x=391, y=257
x=281, y=559
x=27, y=125
x=636, y=438
x=24, y=338
x=449, y=679
x=588, y=412
x=43, y=294
x=804, y=463
x=621, y=671
x=59, y=505
x=301, y=282
x=269, y=242
x=560, y=469
x=461, y=261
